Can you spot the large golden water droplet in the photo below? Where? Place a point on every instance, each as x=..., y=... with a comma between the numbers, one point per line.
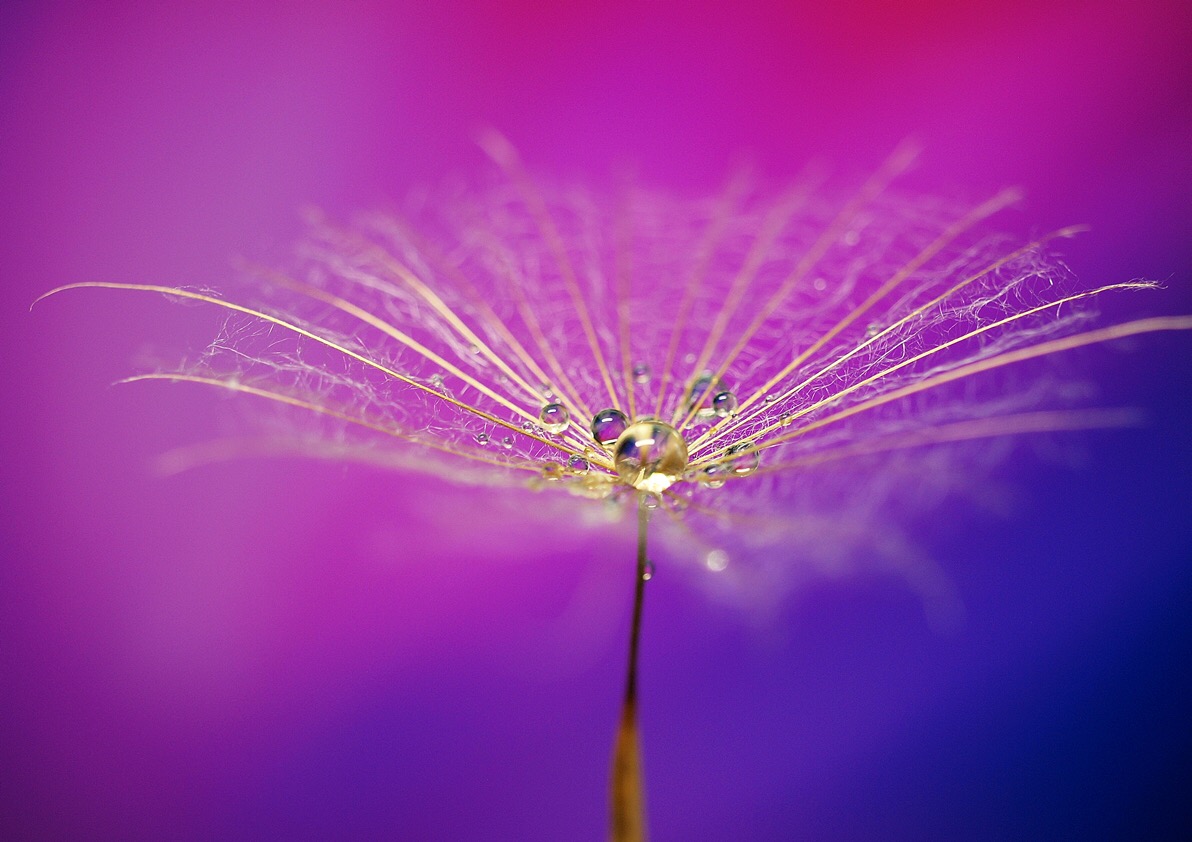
x=650, y=456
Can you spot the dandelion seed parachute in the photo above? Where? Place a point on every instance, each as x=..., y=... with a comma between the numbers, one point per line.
x=516, y=333
x=783, y=377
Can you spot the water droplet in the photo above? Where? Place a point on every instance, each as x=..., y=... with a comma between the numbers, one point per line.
x=474, y=349
x=507, y=442
x=546, y=390
x=871, y=331
x=724, y=404
x=648, y=571
x=608, y=425
x=482, y=438
x=554, y=417
x=652, y=501
x=771, y=398
x=820, y=284
x=578, y=464
x=699, y=388
x=742, y=459
x=552, y=471
x=527, y=425
x=650, y=456
x=716, y=560
x=713, y=476
x=436, y=380
x=641, y=373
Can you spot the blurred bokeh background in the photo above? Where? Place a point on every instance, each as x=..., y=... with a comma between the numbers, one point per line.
x=284, y=649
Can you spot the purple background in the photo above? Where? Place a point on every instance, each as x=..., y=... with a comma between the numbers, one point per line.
x=285, y=649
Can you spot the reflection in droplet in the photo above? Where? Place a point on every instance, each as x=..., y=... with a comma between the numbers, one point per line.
x=482, y=438
x=648, y=571
x=577, y=464
x=507, y=442
x=641, y=373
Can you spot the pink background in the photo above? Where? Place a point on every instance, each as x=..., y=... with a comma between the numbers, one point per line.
x=292, y=650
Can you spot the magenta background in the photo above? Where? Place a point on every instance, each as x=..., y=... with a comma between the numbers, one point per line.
x=286, y=650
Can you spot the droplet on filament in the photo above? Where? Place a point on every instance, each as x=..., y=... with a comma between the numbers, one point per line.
x=608, y=425
x=554, y=417
x=650, y=456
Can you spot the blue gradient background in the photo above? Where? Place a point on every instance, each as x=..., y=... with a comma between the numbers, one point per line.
x=291, y=650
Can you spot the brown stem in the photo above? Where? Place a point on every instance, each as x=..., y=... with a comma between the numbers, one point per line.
x=628, y=793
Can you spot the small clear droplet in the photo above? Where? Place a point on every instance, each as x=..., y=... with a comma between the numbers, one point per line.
x=648, y=571
x=651, y=501
x=474, y=349
x=546, y=390
x=554, y=417
x=771, y=398
x=607, y=426
x=436, y=380
x=507, y=442
x=820, y=284
x=527, y=425
x=871, y=331
x=713, y=476
x=699, y=388
x=578, y=464
x=743, y=458
x=641, y=373
x=552, y=471
x=482, y=438
x=716, y=560
x=650, y=456
x=724, y=404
